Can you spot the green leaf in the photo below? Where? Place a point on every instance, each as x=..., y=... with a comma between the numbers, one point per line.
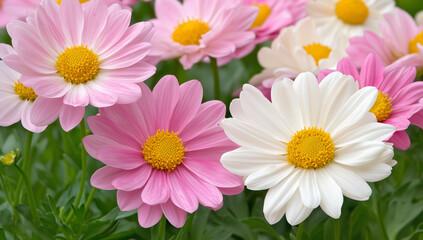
x=261, y=225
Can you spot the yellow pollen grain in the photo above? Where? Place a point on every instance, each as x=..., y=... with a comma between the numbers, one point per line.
x=164, y=150
x=382, y=107
x=310, y=148
x=263, y=14
x=190, y=32
x=81, y=1
x=317, y=51
x=412, y=46
x=353, y=12
x=25, y=93
x=78, y=64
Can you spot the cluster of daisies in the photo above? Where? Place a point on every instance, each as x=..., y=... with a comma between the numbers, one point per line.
x=336, y=94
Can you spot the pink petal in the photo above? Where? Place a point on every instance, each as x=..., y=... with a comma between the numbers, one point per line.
x=213, y=137
x=180, y=192
x=127, y=57
x=70, y=116
x=417, y=119
x=371, y=72
x=232, y=191
x=99, y=96
x=149, y=215
x=166, y=95
x=122, y=157
x=156, y=190
x=72, y=19
x=94, y=142
x=77, y=96
x=26, y=120
x=125, y=93
x=103, y=177
x=45, y=110
x=133, y=179
x=49, y=86
x=129, y=200
x=136, y=73
x=94, y=13
x=347, y=67
x=175, y=215
x=400, y=140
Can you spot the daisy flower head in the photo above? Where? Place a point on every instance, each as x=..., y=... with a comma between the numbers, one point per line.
x=16, y=100
x=273, y=15
x=399, y=44
x=348, y=17
x=298, y=48
x=196, y=29
x=73, y=56
x=398, y=95
x=15, y=9
x=162, y=152
x=310, y=146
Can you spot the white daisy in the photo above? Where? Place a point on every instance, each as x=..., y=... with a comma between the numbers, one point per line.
x=299, y=48
x=348, y=17
x=310, y=146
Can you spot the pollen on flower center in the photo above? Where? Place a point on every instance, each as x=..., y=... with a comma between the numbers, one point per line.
x=310, y=148
x=190, y=32
x=412, y=46
x=78, y=64
x=317, y=51
x=382, y=107
x=81, y=1
x=354, y=12
x=164, y=150
x=263, y=14
x=25, y=93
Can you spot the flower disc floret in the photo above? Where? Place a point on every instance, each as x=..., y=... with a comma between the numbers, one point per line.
x=382, y=107
x=317, y=51
x=310, y=148
x=25, y=93
x=78, y=64
x=353, y=12
x=263, y=14
x=190, y=32
x=412, y=46
x=164, y=150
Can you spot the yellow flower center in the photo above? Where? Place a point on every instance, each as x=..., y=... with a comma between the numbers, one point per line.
x=25, y=93
x=382, y=107
x=164, y=150
x=412, y=46
x=310, y=148
x=190, y=32
x=354, y=12
x=317, y=51
x=263, y=14
x=81, y=1
x=78, y=64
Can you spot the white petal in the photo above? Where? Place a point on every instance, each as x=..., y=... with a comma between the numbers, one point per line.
x=268, y=177
x=351, y=184
x=360, y=153
x=308, y=92
x=236, y=110
x=369, y=132
x=244, y=162
x=331, y=194
x=296, y=211
x=309, y=191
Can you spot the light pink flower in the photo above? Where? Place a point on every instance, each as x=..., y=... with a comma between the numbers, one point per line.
x=73, y=56
x=272, y=17
x=395, y=45
x=398, y=98
x=16, y=100
x=196, y=29
x=162, y=152
x=15, y=9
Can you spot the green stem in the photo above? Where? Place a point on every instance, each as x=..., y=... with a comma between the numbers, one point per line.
x=84, y=170
x=186, y=225
x=162, y=228
x=89, y=200
x=300, y=231
x=32, y=203
x=213, y=64
x=25, y=165
x=337, y=229
x=380, y=222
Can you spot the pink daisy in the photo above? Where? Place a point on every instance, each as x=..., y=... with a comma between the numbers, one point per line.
x=162, y=152
x=197, y=29
x=73, y=56
x=15, y=9
x=16, y=100
x=398, y=98
x=399, y=42
x=272, y=17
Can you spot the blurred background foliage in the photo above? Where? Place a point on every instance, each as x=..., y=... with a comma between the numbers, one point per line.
x=395, y=207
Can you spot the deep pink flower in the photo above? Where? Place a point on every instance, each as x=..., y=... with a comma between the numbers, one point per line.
x=73, y=56
x=398, y=98
x=162, y=152
x=398, y=44
x=196, y=29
